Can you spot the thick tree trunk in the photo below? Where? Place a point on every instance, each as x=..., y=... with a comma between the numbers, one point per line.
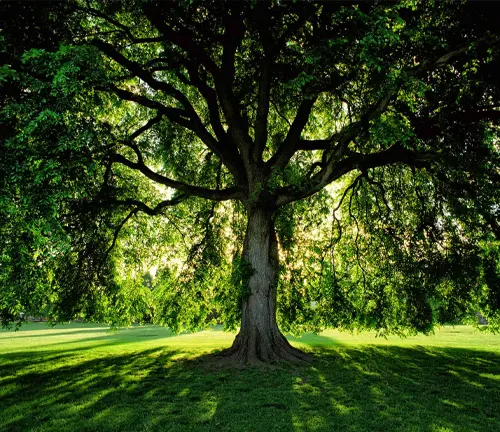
x=259, y=339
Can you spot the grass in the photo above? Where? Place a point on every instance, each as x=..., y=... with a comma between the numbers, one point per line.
x=83, y=378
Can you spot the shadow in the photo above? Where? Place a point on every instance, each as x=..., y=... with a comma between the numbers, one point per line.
x=346, y=389
x=103, y=335
x=42, y=326
x=45, y=334
x=393, y=388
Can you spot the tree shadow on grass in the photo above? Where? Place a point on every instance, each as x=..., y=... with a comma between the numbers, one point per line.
x=346, y=389
x=401, y=389
x=77, y=330
x=46, y=333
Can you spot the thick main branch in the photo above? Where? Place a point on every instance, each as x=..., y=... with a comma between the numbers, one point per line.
x=192, y=122
x=211, y=194
x=333, y=171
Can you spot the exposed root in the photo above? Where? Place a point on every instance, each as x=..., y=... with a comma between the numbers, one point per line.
x=254, y=350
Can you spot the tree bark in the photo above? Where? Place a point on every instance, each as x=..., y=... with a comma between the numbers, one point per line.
x=259, y=339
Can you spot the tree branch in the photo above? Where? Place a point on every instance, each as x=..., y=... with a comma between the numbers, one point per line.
x=233, y=35
x=115, y=235
x=140, y=72
x=228, y=157
x=262, y=18
x=310, y=145
x=223, y=77
x=334, y=170
x=215, y=195
x=289, y=145
x=138, y=206
x=210, y=96
x=136, y=69
x=129, y=142
x=183, y=38
x=146, y=127
x=238, y=125
x=151, y=211
x=446, y=58
x=261, y=120
x=233, y=160
x=424, y=129
x=175, y=115
x=433, y=126
x=122, y=28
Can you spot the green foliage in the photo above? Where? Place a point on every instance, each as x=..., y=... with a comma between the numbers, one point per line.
x=44, y=167
x=392, y=257
x=396, y=247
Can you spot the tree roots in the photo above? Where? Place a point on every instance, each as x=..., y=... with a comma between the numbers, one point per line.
x=256, y=349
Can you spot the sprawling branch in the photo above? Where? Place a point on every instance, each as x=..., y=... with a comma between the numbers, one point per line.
x=223, y=77
x=229, y=158
x=293, y=142
x=355, y=129
x=130, y=141
x=261, y=120
x=446, y=58
x=334, y=170
x=137, y=206
x=215, y=195
x=264, y=24
x=123, y=29
x=195, y=123
x=290, y=144
x=140, y=206
x=175, y=115
x=238, y=125
x=233, y=35
x=138, y=71
x=232, y=158
x=319, y=144
x=183, y=38
x=210, y=96
x=146, y=127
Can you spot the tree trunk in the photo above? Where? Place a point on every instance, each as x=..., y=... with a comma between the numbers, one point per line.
x=259, y=339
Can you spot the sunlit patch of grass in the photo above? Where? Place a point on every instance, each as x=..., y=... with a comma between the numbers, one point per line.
x=85, y=378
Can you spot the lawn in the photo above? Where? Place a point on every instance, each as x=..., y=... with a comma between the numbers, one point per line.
x=83, y=378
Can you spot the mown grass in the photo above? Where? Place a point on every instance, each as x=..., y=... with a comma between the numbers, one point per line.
x=84, y=378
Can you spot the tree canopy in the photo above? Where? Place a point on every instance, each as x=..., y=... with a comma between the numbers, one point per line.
x=301, y=164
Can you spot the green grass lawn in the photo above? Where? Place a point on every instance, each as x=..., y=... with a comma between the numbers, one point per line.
x=83, y=378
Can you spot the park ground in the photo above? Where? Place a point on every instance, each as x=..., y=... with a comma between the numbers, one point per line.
x=81, y=377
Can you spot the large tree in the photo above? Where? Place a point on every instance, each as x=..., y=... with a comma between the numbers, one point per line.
x=358, y=141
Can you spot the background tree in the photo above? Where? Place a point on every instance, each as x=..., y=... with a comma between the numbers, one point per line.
x=356, y=141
